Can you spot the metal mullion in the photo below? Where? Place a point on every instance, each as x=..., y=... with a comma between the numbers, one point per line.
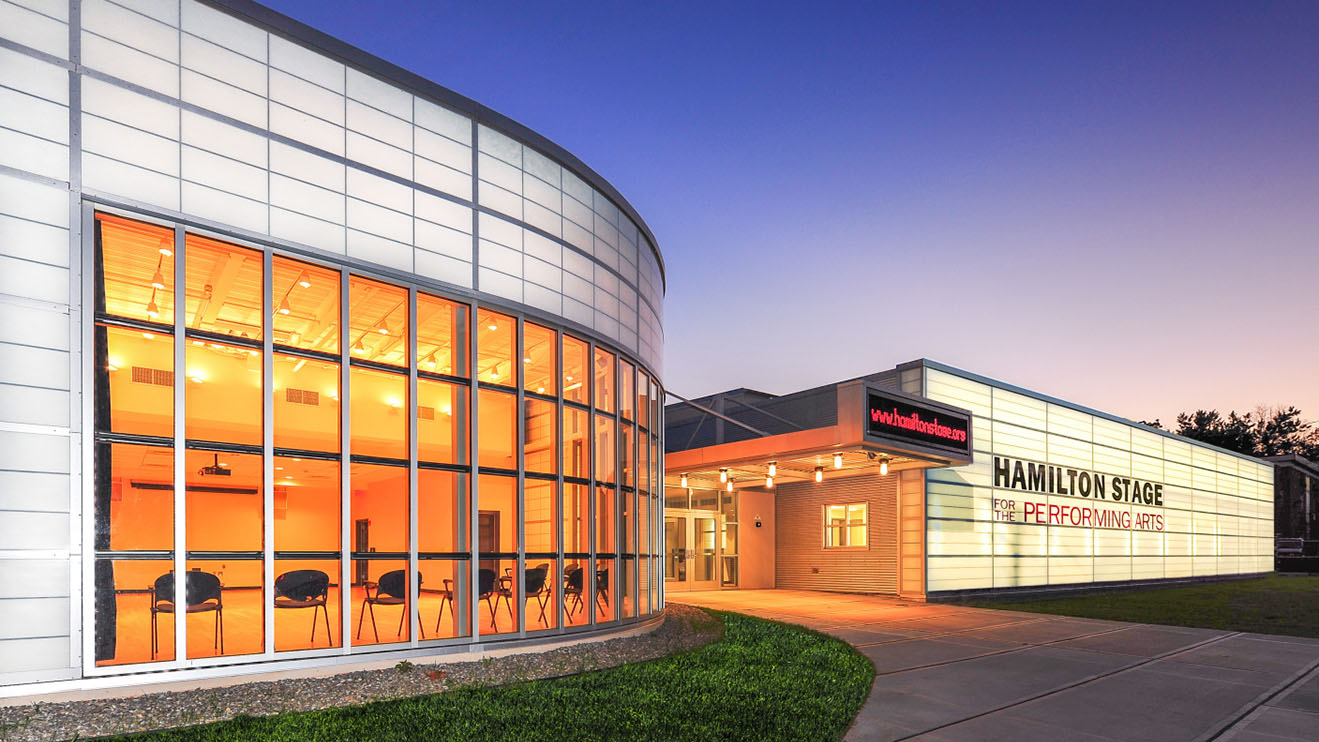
x=620, y=522
x=657, y=421
x=414, y=584
x=561, y=494
x=85, y=478
x=520, y=379
x=473, y=452
x=180, y=434
x=593, y=564
x=268, y=452
x=345, y=483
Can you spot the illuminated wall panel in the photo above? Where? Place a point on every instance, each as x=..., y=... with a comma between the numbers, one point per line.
x=983, y=531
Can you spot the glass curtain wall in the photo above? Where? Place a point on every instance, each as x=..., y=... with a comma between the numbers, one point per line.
x=330, y=460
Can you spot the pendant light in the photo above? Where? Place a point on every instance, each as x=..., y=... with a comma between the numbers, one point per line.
x=284, y=307
x=730, y=485
x=158, y=280
x=769, y=483
x=819, y=474
x=883, y=467
x=723, y=475
x=773, y=468
x=838, y=460
x=683, y=481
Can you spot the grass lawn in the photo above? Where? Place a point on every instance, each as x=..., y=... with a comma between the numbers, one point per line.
x=761, y=681
x=1268, y=605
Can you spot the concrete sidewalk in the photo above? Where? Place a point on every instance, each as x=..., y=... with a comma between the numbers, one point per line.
x=955, y=673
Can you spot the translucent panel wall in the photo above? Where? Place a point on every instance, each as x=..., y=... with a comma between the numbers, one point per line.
x=1167, y=506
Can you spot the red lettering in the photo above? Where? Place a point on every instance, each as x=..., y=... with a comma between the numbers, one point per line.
x=1085, y=517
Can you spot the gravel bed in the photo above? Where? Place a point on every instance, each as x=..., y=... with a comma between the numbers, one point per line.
x=684, y=628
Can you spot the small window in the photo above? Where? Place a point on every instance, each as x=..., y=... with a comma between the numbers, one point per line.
x=845, y=526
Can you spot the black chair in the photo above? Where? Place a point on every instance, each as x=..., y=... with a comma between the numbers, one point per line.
x=602, y=590
x=446, y=596
x=202, y=592
x=392, y=589
x=572, y=588
x=488, y=587
x=306, y=588
x=534, y=586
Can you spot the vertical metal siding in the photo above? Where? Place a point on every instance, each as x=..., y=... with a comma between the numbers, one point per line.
x=801, y=560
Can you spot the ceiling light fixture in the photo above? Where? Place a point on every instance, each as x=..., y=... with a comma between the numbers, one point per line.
x=683, y=481
x=158, y=280
x=358, y=347
x=730, y=485
x=303, y=282
x=493, y=325
x=284, y=306
x=723, y=475
x=883, y=467
x=153, y=311
x=769, y=483
x=382, y=328
x=773, y=468
x=838, y=460
x=819, y=474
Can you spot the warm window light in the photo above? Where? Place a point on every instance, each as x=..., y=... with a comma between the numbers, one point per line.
x=202, y=343
x=773, y=468
x=382, y=328
x=683, y=481
x=540, y=390
x=569, y=378
x=883, y=467
x=394, y=402
x=303, y=282
x=819, y=474
x=166, y=251
x=723, y=475
x=494, y=375
x=448, y=410
x=526, y=360
x=838, y=460
x=148, y=336
x=158, y=280
x=284, y=306
x=112, y=367
x=196, y=379
x=493, y=325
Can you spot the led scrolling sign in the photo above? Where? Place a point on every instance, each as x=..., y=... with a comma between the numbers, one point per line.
x=894, y=417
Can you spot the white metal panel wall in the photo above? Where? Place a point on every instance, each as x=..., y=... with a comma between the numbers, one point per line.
x=181, y=109
x=1218, y=514
x=37, y=557
x=188, y=110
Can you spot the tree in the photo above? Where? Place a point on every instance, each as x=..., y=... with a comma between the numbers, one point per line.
x=1268, y=431
x=1234, y=432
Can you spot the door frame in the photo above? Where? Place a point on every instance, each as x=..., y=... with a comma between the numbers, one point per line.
x=687, y=517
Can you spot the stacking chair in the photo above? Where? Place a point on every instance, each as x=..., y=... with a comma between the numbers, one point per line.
x=202, y=592
x=572, y=588
x=391, y=589
x=446, y=596
x=306, y=588
x=602, y=590
x=534, y=583
x=488, y=588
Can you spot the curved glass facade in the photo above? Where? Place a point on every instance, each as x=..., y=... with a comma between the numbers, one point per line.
x=341, y=462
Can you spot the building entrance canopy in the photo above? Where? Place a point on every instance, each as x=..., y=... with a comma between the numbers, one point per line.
x=876, y=428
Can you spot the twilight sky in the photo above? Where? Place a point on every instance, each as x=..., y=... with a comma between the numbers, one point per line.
x=1114, y=203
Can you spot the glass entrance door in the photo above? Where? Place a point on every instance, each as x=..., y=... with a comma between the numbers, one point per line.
x=691, y=547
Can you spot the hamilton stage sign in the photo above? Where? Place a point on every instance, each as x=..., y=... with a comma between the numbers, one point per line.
x=1103, y=491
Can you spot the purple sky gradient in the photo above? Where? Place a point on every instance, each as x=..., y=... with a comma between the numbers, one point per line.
x=1113, y=203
